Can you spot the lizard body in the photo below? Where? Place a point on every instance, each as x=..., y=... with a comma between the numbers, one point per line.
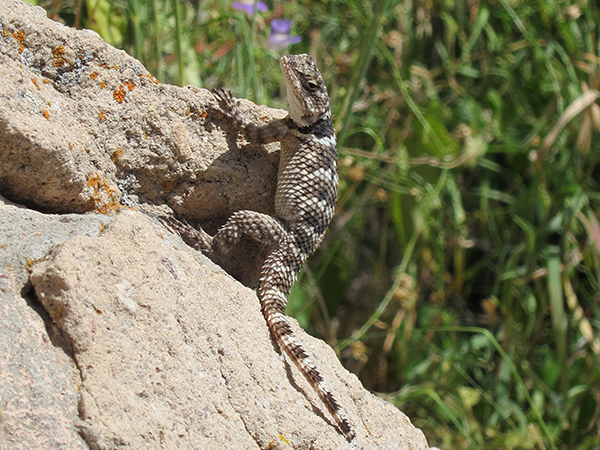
x=307, y=189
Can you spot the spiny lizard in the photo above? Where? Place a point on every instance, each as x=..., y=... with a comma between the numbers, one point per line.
x=307, y=189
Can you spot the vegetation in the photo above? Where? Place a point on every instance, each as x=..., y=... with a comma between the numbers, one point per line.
x=460, y=277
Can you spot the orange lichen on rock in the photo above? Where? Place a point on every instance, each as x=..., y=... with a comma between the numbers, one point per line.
x=46, y=114
x=150, y=77
x=34, y=81
x=102, y=84
x=20, y=37
x=59, y=53
x=94, y=75
x=119, y=94
x=102, y=198
x=46, y=81
x=102, y=116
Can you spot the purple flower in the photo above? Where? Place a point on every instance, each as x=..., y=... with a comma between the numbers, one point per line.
x=280, y=34
x=248, y=6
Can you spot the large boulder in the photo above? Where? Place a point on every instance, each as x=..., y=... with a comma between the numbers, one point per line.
x=114, y=333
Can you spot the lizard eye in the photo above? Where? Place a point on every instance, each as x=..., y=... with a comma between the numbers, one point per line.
x=309, y=85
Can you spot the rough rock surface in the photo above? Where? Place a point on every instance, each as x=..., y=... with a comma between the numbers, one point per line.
x=86, y=127
x=113, y=332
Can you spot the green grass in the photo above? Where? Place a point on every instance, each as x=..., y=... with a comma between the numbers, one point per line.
x=460, y=276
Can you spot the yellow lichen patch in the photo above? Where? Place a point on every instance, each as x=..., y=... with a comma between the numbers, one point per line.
x=102, y=197
x=34, y=81
x=32, y=262
x=46, y=114
x=117, y=154
x=275, y=444
x=20, y=37
x=59, y=54
x=119, y=94
x=129, y=85
x=102, y=84
x=46, y=81
x=29, y=265
x=102, y=116
x=94, y=75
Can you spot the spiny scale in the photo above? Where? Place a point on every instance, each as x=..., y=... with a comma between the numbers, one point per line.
x=307, y=189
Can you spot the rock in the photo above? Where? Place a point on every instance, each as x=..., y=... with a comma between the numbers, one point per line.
x=39, y=380
x=114, y=333
x=85, y=127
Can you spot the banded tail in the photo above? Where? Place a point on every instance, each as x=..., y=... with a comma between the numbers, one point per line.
x=274, y=285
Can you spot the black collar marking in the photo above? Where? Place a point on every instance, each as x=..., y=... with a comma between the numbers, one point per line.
x=321, y=128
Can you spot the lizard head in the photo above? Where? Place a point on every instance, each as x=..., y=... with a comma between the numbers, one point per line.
x=306, y=91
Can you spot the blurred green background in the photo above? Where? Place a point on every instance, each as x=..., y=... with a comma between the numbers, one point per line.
x=459, y=279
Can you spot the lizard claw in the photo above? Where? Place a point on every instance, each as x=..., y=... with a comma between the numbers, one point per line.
x=197, y=238
x=227, y=103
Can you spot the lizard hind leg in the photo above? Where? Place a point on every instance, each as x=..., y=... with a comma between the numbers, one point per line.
x=261, y=227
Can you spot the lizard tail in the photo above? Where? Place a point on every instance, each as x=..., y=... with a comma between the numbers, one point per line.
x=273, y=287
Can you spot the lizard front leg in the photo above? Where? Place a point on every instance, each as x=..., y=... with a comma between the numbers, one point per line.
x=264, y=134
